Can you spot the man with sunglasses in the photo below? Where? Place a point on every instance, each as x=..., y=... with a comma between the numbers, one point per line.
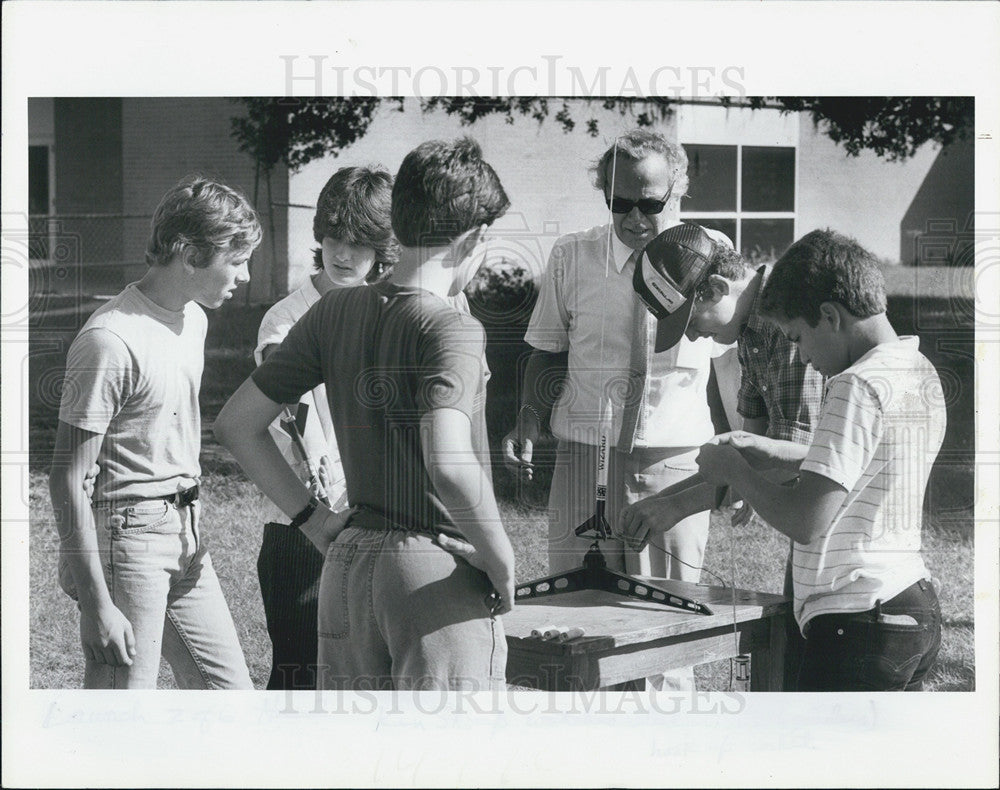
x=590, y=330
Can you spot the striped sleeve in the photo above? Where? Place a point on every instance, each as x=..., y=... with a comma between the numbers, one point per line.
x=849, y=431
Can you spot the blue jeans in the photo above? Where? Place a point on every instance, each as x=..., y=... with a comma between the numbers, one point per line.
x=888, y=648
x=397, y=611
x=160, y=576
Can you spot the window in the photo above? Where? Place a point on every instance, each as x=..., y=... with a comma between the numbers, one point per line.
x=746, y=192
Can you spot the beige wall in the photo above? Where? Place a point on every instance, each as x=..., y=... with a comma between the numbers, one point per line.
x=543, y=170
x=864, y=196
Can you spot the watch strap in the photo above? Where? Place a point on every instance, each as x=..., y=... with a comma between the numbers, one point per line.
x=303, y=515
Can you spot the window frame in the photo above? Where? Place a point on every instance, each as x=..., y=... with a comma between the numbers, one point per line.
x=738, y=215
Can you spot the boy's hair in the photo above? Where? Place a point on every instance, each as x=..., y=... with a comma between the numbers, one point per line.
x=203, y=214
x=637, y=144
x=354, y=207
x=442, y=190
x=726, y=262
x=824, y=266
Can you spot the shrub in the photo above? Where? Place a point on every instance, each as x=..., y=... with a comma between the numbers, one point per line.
x=502, y=294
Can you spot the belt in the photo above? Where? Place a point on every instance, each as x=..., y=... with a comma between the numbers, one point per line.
x=181, y=498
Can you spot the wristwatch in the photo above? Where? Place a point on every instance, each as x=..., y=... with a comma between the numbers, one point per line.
x=303, y=515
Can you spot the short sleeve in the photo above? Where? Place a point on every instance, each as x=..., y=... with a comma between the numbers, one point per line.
x=296, y=366
x=273, y=330
x=451, y=369
x=548, y=329
x=100, y=377
x=798, y=398
x=848, y=434
x=750, y=402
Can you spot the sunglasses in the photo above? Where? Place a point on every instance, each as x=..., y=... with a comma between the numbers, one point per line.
x=647, y=206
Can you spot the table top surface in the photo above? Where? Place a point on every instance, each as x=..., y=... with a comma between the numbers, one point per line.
x=609, y=620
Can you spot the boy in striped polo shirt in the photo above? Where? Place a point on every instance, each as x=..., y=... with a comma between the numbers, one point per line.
x=863, y=597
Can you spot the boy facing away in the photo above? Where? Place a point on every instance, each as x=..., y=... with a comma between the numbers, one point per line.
x=134, y=558
x=863, y=597
x=353, y=231
x=405, y=379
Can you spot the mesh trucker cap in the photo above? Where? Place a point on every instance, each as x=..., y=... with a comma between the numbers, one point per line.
x=670, y=269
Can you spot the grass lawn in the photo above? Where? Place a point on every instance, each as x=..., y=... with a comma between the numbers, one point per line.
x=233, y=515
x=934, y=303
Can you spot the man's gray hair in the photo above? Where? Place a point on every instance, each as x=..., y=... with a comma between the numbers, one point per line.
x=637, y=144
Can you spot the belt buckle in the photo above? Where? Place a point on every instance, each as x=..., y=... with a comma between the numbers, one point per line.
x=185, y=497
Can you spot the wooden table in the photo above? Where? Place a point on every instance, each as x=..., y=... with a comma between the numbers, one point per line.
x=627, y=640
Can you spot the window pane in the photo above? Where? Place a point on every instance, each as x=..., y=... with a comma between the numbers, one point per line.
x=712, y=176
x=768, y=179
x=727, y=226
x=766, y=239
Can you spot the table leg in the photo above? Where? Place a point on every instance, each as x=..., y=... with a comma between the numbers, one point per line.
x=767, y=660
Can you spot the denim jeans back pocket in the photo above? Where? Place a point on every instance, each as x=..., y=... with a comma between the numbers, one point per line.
x=334, y=613
x=855, y=655
x=892, y=653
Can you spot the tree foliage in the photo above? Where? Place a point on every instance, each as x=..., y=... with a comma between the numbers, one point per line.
x=296, y=131
x=892, y=127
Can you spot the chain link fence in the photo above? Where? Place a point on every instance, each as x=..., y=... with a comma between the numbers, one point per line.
x=86, y=254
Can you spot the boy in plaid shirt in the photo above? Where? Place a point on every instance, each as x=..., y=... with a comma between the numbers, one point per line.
x=779, y=395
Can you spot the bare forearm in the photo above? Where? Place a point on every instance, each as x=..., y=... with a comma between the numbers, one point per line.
x=689, y=496
x=78, y=538
x=260, y=458
x=785, y=455
x=466, y=492
x=780, y=505
x=544, y=377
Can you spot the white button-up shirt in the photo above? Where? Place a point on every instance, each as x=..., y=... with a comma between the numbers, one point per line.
x=586, y=305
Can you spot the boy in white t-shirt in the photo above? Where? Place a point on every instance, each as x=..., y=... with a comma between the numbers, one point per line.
x=134, y=555
x=863, y=597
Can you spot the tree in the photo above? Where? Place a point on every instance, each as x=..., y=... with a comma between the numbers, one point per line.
x=297, y=130
x=891, y=126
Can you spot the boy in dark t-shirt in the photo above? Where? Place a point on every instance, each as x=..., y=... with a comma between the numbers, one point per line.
x=405, y=377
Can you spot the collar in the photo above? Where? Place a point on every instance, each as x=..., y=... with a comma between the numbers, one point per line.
x=756, y=321
x=619, y=252
x=160, y=313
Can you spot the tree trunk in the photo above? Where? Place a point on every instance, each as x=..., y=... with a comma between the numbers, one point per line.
x=276, y=285
x=256, y=205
